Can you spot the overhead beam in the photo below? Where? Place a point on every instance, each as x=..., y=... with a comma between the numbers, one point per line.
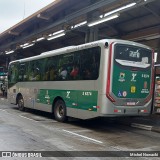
x=42, y=17
x=152, y=31
x=13, y=33
x=68, y=18
x=151, y=11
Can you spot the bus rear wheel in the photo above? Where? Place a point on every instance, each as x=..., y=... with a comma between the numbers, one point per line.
x=60, y=111
x=21, y=103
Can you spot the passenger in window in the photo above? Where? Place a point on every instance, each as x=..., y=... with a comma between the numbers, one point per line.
x=47, y=75
x=31, y=76
x=63, y=73
x=87, y=74
x=35, y=75
x=74, y=72
x=25, y=77
x=95, y=67
x=21, y=73
x=52, y=73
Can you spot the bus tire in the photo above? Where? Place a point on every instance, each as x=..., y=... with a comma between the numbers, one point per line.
x=60, y=111
x=21, y=103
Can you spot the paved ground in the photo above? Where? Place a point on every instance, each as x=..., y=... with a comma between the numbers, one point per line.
x=38, y=131
x=151, y=122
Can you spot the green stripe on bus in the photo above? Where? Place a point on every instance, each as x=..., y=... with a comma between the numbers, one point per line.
x=85, y=100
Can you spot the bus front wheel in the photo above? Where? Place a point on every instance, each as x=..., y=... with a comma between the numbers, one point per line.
x=60, y=111
x=20, y=103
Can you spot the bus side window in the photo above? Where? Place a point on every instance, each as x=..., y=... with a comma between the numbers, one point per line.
x=90, y=60
x=77, y=65
x=74, y=74
x=62, y=65
x=50, y=72
x=25, y=74
x=22, y=72
x=35, y=71
x=95, y=64
x=13, y=73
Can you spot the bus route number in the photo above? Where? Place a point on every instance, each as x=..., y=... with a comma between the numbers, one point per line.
x=87, y=93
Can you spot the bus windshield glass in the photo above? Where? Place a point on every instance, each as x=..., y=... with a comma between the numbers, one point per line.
x=132, y=56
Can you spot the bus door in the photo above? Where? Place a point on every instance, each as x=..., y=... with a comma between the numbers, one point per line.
x=12, y=81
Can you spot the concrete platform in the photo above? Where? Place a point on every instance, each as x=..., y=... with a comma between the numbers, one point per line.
x=151, y=122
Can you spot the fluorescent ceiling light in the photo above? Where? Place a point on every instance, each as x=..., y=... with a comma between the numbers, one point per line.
x=40, y=39
x=79, y=24
x=50, y=35
x=58, y=32
x=56, y=36
x=103, y=20
x=28, y=45
x=9, y=52
x=119, y=9
x=25, y=44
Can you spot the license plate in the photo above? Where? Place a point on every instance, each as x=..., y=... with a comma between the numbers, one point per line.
x=131, y=103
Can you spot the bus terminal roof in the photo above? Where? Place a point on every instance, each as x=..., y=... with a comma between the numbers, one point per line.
x=140, y=23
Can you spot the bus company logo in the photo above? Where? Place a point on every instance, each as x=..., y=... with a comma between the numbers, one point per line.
x=133, y=77
x=145, y=84
x=133, y=89
x=124, y=93
x=134, y=54
x=47, y=95
x=68, y=94
x=119, y=94
x=121, y=77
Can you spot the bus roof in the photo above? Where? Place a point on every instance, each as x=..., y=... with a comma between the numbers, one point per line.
x=79, y=47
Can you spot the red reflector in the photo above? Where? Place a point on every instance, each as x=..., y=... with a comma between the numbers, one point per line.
x=115, y=110
x=144, y=110
x=97, y=107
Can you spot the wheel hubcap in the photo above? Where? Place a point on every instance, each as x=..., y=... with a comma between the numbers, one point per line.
x=20, y=103
x=60, y=111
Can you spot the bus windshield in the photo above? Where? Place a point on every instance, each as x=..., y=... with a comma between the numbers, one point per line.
x=132, y=56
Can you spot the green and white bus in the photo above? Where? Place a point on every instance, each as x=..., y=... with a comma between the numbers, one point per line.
x=104, y=78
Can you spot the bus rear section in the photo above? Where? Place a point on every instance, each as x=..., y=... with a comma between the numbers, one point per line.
x=129, y=80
